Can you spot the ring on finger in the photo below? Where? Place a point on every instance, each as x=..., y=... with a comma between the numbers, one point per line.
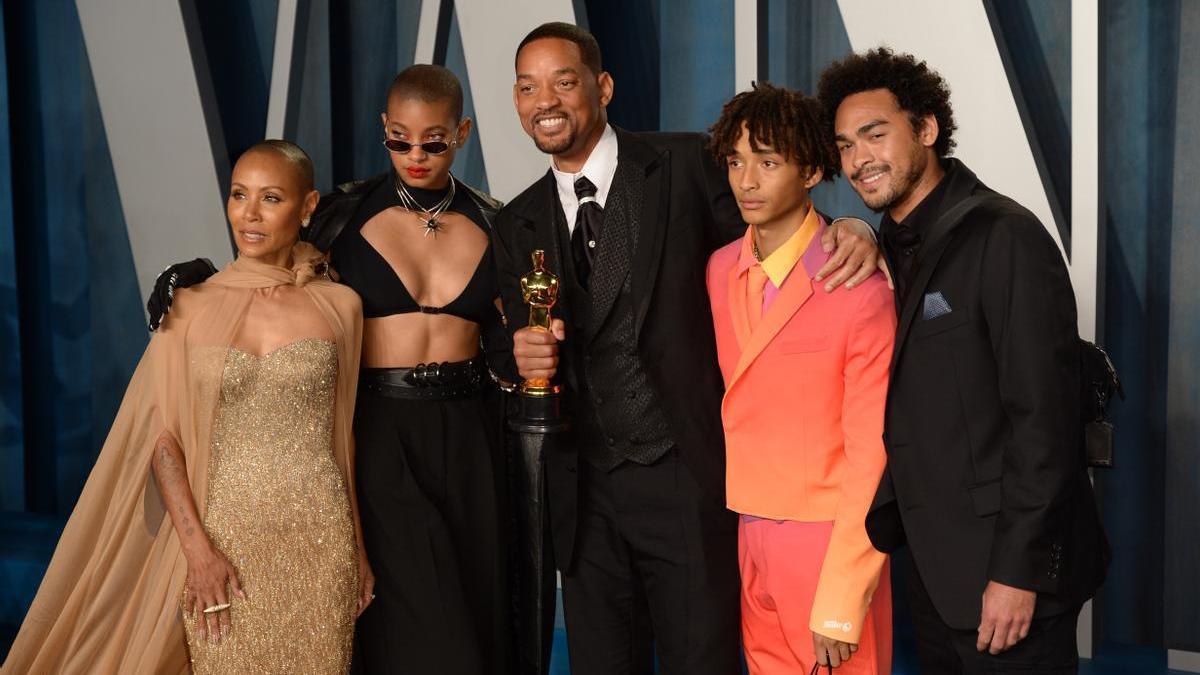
x=216, y=608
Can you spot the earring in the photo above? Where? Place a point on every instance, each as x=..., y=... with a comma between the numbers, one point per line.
x=304, y=222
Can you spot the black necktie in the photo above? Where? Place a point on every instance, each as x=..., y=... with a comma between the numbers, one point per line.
x=587, y=229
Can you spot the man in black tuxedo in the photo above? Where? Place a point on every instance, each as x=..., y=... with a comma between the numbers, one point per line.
x=987, y=479
x=647, y=550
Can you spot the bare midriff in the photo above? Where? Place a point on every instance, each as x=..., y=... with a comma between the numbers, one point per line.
x=404, y=340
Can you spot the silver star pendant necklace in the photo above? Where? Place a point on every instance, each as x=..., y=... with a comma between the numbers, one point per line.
x=429, y=220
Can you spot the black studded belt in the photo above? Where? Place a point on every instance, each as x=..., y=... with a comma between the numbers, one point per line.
x=426, y=381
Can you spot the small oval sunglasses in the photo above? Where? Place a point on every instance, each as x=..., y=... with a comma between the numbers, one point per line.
x=430, y=147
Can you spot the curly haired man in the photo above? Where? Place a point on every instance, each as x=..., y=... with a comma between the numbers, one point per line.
x=986, y=480
x=805, y=382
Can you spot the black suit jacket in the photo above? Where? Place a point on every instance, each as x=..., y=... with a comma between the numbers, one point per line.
x=986, y=471
x=686, y=211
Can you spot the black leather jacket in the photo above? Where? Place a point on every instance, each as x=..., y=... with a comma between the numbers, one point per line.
x=336, y=208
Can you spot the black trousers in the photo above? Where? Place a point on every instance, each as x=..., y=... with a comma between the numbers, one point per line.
x=1050, y=646
x=429, y=478
x=655, y=574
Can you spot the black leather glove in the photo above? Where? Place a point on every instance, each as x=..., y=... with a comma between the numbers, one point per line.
x=179, y=275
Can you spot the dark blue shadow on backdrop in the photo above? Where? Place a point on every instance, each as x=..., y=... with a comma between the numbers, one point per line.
x=1140, y=64
x=12, y=442
x=627, y=31
x=76, y=329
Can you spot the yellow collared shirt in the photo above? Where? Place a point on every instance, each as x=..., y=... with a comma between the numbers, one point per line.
x=783, y=260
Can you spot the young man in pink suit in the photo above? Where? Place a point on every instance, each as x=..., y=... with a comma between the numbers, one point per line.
x=806, y=376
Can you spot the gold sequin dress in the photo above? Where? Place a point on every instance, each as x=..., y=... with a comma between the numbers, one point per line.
x=278, y=508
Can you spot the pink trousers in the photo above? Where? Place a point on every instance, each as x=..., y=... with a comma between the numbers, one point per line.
x=780, y=565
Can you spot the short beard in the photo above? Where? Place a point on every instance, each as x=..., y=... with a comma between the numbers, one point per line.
x=557, y=145
x=902, y=185
x=880, y=206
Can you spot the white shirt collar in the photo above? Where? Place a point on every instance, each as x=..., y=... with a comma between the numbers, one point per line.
x=599, y=168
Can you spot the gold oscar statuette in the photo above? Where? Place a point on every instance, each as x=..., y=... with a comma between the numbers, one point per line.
x=539, y=290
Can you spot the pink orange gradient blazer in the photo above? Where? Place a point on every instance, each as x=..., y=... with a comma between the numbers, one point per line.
x=803, y=414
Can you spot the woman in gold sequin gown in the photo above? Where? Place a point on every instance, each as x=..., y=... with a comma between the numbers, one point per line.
x=219, y=529
x=279, y=517
x=278, y=510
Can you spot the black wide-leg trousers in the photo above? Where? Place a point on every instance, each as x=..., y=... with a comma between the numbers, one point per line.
x=654, y=576
x=429, y=476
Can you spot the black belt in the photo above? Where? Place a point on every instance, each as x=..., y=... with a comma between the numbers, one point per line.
x=426, y=381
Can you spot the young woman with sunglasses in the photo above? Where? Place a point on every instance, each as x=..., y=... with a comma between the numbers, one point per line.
x=414, y=242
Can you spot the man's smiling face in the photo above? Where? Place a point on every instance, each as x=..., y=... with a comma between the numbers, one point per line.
x=882, y=155
x=559, y=99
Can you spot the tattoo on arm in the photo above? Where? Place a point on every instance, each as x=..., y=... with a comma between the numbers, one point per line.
x=172, y=481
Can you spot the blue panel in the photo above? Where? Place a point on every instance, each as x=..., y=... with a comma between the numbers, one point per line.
x=1140, y=71
x=802, y=39
x=1051, y=22
x=51, y=256
x=468, y=163
x=313, y=120
x=1035, y=45
x=628, y=36
x=696, y=53
x=12, y=463
x=239, y=38
x=81, y=326
x=262, y=15
x=1182, y=546
x=26, y=543
x=369, y=42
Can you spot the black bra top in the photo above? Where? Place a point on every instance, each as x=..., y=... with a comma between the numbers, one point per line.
x=364, y=269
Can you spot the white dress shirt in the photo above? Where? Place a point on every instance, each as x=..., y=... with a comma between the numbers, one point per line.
x=599, y=168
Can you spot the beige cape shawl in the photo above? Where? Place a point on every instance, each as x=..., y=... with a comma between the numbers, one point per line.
x=110, y=600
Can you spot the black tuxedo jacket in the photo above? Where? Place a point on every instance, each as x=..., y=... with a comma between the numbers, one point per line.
x=986, y=471
x=683, y=210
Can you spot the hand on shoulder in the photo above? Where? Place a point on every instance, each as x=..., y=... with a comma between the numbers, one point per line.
x=855, y=255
